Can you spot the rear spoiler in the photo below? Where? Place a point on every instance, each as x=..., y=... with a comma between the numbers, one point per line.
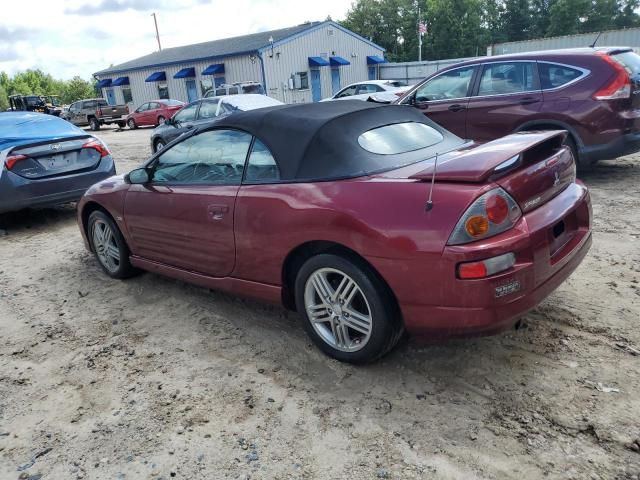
x=477, y=164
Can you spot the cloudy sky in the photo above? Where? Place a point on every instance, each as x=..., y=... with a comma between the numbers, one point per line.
x=79, y=37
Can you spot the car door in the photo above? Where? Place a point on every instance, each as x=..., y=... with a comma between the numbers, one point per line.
x=74, y=108
x=139, y=116
x=346, y=92
x=208, y=111
x=184, y=216
x=507, y=93
x=182, y=121
x=155, y=110
x=444, y=98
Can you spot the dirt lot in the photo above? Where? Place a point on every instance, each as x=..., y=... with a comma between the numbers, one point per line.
x=153, y=378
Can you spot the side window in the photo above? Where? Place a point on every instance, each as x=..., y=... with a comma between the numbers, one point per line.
x=208, y=110
x=75, y=107
x=262, y=167
x=448, y=85
x=347, y=92
x=143, y=108
x=89, y=104
x=501, y=78
x=154, y=105
x=187, y=114
x=554, y=76
x=215, y=157
x=367, y=88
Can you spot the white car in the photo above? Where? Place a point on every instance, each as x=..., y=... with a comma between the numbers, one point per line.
x=364, y=90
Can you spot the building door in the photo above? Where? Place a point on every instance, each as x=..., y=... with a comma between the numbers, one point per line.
x=316, y=86
x=111, y=97
x=335, y=80
x=372, y=73
x=192, y=91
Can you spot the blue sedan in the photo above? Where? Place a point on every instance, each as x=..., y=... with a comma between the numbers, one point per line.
x=45, y=161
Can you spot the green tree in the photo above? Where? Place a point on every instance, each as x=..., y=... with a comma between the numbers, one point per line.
x=77, y=89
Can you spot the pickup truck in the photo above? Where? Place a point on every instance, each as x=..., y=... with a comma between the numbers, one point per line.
x=96, y=112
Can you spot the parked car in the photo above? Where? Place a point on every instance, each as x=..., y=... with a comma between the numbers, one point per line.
x=153, y=113
x=330, y=209
x=96, y=112
x=364, y=90
x=48, y=104
x=593, y=93
x=203, y=111
x=237, y=88
x=46, y=161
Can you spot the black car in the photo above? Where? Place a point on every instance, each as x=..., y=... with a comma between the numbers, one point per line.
x=203, y=111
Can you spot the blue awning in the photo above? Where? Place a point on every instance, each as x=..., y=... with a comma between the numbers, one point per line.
x=186, y=73
x=214, y=69
x=317, y=62
x=374, y=60
x=105, y=82
x=120, y=81
x=156, y=77
x=337, y=61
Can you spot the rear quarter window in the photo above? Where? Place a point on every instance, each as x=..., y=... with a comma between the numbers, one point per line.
x=630, y=61
x=399, y=138
x=554, y=76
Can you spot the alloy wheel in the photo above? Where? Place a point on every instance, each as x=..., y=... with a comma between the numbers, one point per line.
x=338, y=309
x=105, y=245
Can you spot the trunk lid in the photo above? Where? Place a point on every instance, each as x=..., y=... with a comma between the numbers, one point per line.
x=55, y=158
x=532, y=167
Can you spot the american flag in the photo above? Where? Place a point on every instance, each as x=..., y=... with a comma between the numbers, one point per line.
x=422, y=28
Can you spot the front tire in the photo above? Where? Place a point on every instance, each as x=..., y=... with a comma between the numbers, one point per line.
x=161, y=120
x=109, y=246
x=347, y=310
x=132, y=124
x=94, y=124
x=158, y=145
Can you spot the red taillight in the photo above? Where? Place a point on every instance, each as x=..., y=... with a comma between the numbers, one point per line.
x=13, y=159
x=126, y=108
x=497, y=209
x=486, y=268
x=619, y=87
x=98, y=146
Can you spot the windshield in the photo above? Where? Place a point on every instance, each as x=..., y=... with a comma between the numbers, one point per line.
x=172, y=102
x=399, y=138
x=250, y=102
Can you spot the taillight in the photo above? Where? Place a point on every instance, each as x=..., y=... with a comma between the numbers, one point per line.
x=491, y=214
x=486, y=268
x=99, y=111
x=98, y=146
x=11, y=160
x=619, y=87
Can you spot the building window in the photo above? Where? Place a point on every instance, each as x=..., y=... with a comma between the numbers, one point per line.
x=301, y=81
x=206, y=84
x=163, y=91
x=126, y=93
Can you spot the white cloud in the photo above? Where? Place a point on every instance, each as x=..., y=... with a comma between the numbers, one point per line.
x=79, y=37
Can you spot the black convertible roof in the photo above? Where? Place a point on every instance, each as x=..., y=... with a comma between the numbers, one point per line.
x=319, y=141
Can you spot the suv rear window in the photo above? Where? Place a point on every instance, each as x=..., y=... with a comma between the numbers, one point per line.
x=554, y=76
x=399, y=138
x=629, y=60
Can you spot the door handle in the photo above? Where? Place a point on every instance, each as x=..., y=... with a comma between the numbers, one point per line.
x=216, y=212
x=529, y=100
x=457, y=108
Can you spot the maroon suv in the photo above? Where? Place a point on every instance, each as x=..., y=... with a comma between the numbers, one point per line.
x=593, y=93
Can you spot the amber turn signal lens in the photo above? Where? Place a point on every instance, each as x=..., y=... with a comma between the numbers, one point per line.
x=477, y=226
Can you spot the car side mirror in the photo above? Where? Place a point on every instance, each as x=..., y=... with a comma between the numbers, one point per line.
x=139, y=176
x=412, y=100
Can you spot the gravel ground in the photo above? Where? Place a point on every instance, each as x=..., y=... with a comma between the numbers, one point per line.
x=153, y=378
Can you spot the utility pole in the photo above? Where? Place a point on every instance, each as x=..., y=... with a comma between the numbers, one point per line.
x=155, y=21
x=419, y=36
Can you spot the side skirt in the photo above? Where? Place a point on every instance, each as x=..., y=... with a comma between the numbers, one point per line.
x=236, y=286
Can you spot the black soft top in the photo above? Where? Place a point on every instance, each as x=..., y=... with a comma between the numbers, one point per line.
x=319, y=141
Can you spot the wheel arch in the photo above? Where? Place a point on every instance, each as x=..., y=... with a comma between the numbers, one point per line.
x=87, y=209
x=300, y=254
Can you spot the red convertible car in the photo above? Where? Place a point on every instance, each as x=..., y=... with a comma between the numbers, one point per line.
x=369, y=220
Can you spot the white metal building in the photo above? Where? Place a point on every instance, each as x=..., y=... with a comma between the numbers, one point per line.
x=304, y=63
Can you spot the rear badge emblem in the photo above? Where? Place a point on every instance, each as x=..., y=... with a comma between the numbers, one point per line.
x=557, y=179
x=507, y=288
x=54, y=146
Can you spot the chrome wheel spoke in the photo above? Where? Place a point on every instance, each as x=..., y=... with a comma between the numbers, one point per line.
x=105, y=245
x=318, y=313
x=357, y=321
x=113, y=252
x=344, y=290
x=322, y=286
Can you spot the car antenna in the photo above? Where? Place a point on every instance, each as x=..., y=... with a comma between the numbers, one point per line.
x=596, y=40
x=429, y=205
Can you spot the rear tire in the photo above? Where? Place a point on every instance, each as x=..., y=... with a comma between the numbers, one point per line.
x=109, y=246
x=347, y=310
x=161, y=120
x=132, y=124
x=94, y=124
x=121, y=124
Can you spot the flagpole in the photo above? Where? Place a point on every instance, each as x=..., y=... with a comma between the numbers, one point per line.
x=419, y=37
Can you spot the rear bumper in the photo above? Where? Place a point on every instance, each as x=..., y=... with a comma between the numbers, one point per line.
x=623, y=145
x=545, y=256
x=17, y=192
